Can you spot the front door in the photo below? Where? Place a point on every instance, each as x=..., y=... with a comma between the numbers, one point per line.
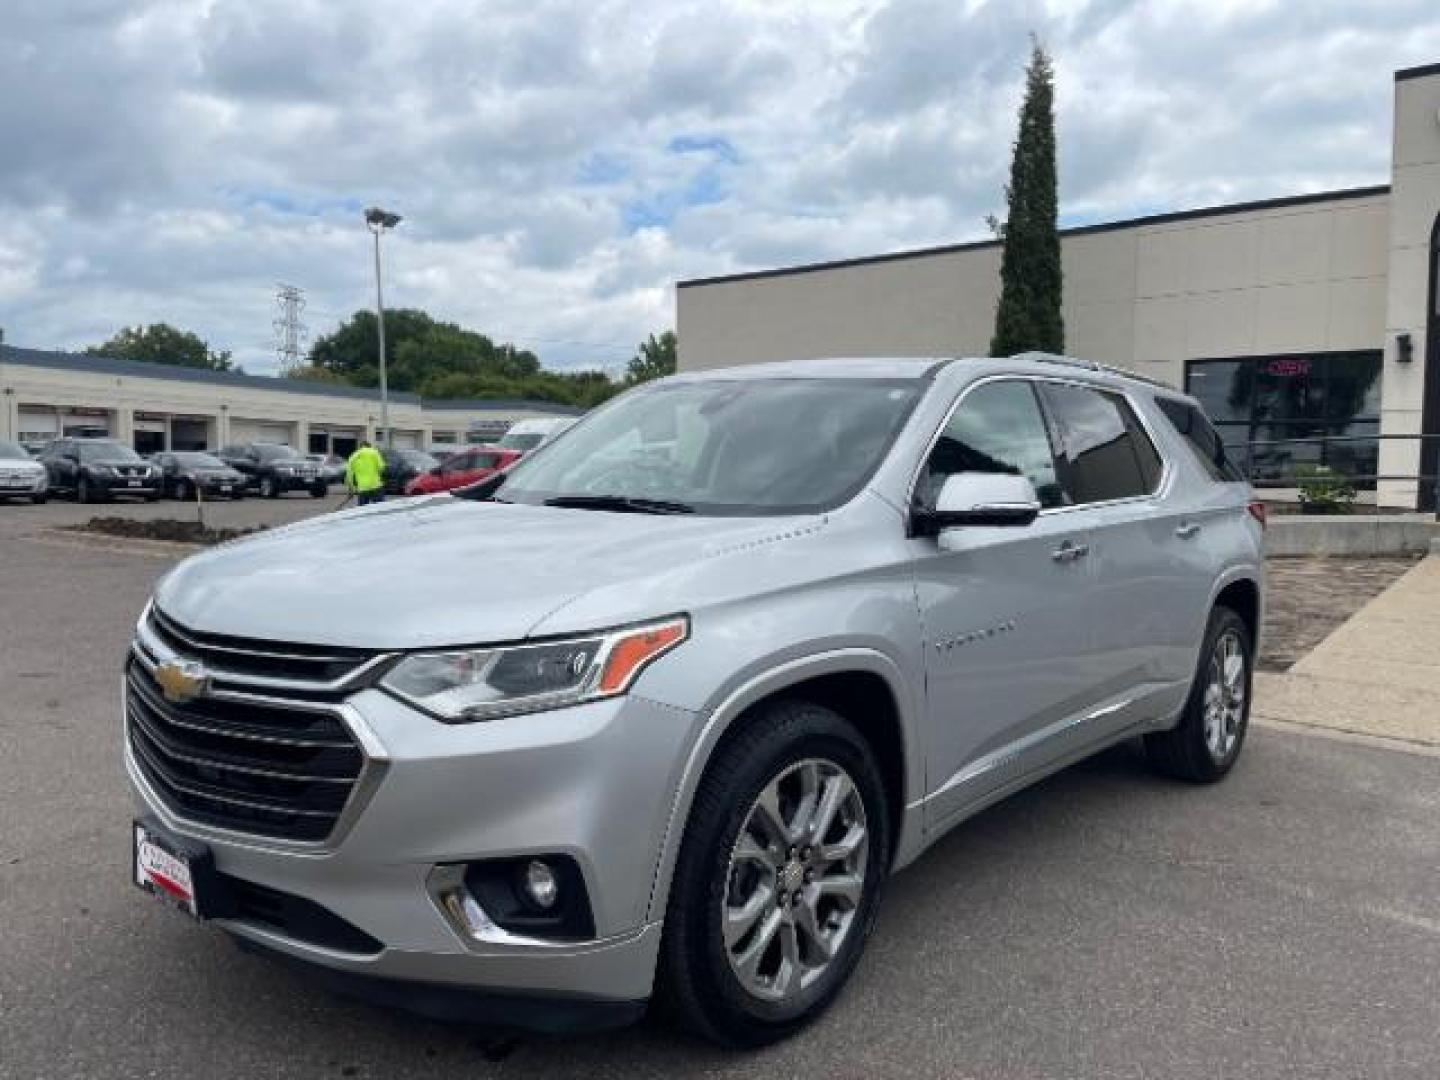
x=1006, y=610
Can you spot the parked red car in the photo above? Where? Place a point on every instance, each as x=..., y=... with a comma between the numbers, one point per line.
x=460, y=469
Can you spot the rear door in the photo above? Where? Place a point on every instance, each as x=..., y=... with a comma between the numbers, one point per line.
x=1145, y=582
x=1005, y=610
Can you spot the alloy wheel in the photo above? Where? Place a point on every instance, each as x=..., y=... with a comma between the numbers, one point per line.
x=795, y=879
x=1225, y=695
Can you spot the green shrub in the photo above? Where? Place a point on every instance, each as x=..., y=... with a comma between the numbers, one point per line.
x=1324, y=491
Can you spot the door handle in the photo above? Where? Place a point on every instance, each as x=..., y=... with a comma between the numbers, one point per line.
x=1068, y=552
x=1187, y=529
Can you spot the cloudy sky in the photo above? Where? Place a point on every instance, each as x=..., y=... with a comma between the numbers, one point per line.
x=560, y=163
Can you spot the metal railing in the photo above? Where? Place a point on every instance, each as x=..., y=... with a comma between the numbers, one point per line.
x=1267, y=466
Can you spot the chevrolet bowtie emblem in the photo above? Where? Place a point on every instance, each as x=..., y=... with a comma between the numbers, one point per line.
x=182, y=680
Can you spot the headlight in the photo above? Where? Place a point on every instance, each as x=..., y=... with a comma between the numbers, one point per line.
x=484, y=684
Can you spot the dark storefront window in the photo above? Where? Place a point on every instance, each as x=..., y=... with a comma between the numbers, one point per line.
x=1281, y=399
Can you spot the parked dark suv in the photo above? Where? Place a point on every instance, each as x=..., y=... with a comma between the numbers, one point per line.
x=183, y=473
x=271, y=469
x=403, y=466
x=98, y=469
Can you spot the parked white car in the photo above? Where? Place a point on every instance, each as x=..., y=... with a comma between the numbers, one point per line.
x=526, y=435
x=21, y=476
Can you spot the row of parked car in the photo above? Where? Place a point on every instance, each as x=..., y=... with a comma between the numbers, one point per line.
x=98, y=469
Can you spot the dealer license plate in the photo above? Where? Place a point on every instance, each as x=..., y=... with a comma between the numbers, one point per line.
x=164, y=872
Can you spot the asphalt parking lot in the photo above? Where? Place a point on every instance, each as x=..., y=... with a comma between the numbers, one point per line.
x=1104, y=924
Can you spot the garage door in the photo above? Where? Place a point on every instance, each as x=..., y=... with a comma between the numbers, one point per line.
x=242, y=431
x=407, y=440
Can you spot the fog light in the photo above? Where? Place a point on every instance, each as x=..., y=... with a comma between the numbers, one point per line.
x=541, y=885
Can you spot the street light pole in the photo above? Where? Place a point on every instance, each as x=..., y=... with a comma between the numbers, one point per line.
x=378, y=221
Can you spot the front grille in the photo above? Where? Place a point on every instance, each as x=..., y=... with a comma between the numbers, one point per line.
x=269, y=769
x=257, y=659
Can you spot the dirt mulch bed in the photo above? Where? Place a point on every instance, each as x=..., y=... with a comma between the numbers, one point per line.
x=168, y=530
x=1311, y=597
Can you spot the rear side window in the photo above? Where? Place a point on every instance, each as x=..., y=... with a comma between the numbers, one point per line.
x=1104, y=452
x=997, y=428
x=1203, y=439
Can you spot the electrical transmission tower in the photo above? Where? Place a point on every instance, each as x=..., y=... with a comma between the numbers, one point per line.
x=289, y=330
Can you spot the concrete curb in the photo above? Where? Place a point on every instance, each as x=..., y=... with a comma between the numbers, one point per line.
x=1362, y=535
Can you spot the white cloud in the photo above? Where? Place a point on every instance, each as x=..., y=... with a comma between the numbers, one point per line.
x=559, y=164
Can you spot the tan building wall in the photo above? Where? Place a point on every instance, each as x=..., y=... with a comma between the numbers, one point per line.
x=1414, y=221
x=1331, y=272
x=1298, y=276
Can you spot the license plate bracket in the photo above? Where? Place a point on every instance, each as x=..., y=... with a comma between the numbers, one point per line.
x=175, y=869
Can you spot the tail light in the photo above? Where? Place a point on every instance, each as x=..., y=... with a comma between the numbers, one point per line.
x=1259, y=511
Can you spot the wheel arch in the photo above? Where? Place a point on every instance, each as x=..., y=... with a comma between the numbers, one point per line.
x=1242, y=593
x=864, y=686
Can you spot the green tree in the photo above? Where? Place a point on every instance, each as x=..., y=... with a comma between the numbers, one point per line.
x=654, y=360
x=442, y=360
x=417, y=348
x=161, y=343
x=1028, y=316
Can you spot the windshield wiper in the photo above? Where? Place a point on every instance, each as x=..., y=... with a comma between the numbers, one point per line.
x=622, y=503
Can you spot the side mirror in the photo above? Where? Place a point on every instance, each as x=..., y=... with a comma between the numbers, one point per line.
x=974, y=498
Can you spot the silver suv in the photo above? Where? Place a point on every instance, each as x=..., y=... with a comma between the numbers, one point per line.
x=654, y=714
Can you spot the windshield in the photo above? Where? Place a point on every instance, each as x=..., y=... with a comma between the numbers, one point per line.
x=274, y=452
x=198, y=460
x=107, y=450
x=526, y=441
x=748, y=447
x=12, y=450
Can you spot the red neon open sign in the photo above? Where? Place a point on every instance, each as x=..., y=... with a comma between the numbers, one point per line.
x=1288, y=368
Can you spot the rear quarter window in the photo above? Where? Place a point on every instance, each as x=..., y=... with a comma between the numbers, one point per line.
x=1105, y=453
x=1201, y=437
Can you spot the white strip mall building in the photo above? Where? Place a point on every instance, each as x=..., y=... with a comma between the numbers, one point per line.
x=1312, y=317
x=154, y=407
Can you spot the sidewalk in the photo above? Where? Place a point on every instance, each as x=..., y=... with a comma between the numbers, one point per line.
x=1377, y=675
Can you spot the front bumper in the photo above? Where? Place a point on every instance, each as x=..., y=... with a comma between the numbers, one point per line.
x=23, y=485
x=298, y=483
x=595, y=782
x=124, y=485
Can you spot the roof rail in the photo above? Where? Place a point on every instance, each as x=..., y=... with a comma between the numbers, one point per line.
x=1091, y=365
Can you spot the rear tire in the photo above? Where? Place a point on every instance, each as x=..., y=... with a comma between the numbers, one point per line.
x=183, y=491
x=1206, y=742
x=766, y=922
x=39, y=500
x=268, y=488
x=83, y=492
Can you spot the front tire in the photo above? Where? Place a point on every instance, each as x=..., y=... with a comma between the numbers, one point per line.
x=779, y=877
x=1206, y=742
x=269, y=489
x=83, y=491
x=39, y=499
x=319, y=491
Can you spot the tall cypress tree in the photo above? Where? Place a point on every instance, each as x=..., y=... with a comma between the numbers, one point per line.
x=1030, y=282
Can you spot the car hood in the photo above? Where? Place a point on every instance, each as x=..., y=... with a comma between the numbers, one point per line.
x=440, y=571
